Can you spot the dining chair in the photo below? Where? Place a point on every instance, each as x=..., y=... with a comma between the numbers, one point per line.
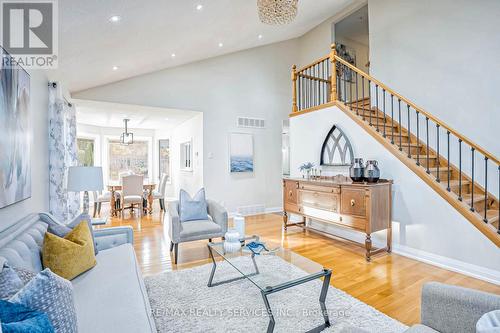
x=132, y=192
x=100, y=197
x=160, y=193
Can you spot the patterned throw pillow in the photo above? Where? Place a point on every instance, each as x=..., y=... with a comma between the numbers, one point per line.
x=25, y=275
x=10, y=283
x=49, y=293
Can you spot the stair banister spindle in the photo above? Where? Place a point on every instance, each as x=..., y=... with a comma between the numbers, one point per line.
x=294, y=88
x=437, y=145
x=472, y=185
x=392, y=118
x=357, y=97
x=409, y=132
x=319, y=85
x=350, y=89
x=363, y=94
x=383, y=106
x=427, y=135
x=418, y=137
x=460, y=169
x=498, y=231
x=376, y=105
x=486, y=190
x=400, y=126
x=345, y=85
x=448, y=169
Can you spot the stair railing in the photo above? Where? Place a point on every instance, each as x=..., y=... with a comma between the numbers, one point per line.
x=315, y=86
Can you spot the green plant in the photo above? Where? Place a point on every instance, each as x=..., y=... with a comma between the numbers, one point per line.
x=306, y=166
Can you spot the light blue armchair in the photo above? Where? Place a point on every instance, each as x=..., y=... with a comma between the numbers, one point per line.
x=181, y=232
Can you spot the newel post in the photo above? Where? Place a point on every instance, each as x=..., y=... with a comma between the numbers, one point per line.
x=294, y=87
x=333, y=54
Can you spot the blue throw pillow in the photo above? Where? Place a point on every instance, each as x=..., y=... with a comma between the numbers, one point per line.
x=16, y=318
x=10, y=283
x=192, y=208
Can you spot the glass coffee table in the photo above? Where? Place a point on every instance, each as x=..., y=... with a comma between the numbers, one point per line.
x=256, y=268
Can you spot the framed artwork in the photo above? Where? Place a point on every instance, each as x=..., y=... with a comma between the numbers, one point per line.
x=15, y=129
x=241, y=155
x=164, y=157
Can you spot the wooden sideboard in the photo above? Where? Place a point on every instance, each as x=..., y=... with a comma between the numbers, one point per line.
x=364, y=207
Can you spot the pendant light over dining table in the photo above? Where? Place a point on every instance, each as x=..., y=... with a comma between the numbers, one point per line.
x=127, y=138
x=277, y=12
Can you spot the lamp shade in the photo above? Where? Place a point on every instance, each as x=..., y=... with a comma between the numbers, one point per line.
x=84, y=179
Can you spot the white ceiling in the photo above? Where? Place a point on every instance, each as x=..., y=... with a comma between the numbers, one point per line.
x=151, y=30
x=141, y=117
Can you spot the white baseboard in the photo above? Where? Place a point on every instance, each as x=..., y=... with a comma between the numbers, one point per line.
x=268, y=210
x=478, y=272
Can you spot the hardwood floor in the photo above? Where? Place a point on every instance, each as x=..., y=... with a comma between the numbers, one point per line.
x=390, y=283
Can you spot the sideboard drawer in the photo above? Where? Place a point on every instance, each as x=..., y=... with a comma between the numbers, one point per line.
x=290, y=191
x=353, y=202
x=320, y=200
x=319, y=188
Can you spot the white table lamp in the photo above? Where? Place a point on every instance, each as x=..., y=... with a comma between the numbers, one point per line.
x=85, y=179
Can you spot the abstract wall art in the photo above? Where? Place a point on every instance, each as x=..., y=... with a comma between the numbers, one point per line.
x=15, y=133
x=241, y=157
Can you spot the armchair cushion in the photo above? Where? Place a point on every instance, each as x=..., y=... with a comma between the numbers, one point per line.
x=192, y=209
x=191, y=231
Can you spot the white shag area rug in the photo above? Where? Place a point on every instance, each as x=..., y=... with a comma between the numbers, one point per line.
x=182, y=302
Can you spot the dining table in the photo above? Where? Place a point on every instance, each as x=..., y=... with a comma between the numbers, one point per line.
x=113, y=187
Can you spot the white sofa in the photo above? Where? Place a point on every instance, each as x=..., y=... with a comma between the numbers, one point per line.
x=111, y=297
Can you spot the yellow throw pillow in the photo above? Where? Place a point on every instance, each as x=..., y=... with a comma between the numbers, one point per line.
x=70, y=256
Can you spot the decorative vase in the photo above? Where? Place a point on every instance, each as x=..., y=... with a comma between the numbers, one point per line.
x=232, y=241
x=239, y=225
x=308, y=174
x=356, y=171
x=372, y=172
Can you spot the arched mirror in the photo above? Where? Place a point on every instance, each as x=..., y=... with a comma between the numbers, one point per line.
x=336, y=150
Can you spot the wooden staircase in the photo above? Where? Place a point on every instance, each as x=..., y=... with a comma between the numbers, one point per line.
x=405, y=133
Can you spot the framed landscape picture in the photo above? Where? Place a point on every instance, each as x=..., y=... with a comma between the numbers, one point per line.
x=241, y=157
x=15, y=129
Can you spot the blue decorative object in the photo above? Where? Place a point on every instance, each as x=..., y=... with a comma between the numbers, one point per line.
x=256, y=247
x=192, y=209
x=10, y=283
x=16, y=318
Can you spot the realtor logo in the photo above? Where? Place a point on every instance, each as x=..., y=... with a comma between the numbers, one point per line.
x=29, y=32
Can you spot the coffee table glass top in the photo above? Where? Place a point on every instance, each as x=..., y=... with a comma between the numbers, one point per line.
x=259, y=269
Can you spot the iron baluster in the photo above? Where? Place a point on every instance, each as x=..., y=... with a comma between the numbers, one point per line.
x=499, y=202
x=363, y=95
x=472, y=185
x=427, y=135
x=448, y=169
x=485, y=190
x=418, y=137
x=357, y=97
x=350, y=89
x=383, y=106
x=400, y=126
x=376, y=106
x=392, y=118
x=460, y=169
x=409, y=132
x=437, y=161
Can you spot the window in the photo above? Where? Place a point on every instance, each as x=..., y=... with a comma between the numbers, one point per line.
x=132, y=157
x=164, y=158
x=85, y=151
x=186, y=156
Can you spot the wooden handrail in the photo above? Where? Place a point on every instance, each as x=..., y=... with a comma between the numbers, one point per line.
x=478, y=148
x=313, y=64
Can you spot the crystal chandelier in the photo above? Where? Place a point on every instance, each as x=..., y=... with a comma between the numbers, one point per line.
x=277, y=11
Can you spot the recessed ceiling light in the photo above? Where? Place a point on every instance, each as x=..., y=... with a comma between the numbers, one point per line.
x=173, y=55
x=199, y=7
x=221, y=45
x=260, y=36
x=115, y=68
x=115, y=19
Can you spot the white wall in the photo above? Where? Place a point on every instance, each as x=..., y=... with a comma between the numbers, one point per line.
x=443, y=55
x=39, y=201
x=425, y=226
x=192, y=180
x=254, y=82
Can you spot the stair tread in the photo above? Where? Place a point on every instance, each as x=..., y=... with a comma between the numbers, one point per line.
x=492, y=216
x=478, y=197
x=456, y=182
x=423, y=157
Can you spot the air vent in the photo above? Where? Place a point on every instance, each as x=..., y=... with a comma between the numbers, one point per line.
x=251, y=122
x=252, y=210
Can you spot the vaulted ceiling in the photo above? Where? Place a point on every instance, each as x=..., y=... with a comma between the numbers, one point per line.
x=94, y=50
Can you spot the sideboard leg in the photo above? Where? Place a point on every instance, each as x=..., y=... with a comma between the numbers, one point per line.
x=285, y=220
x=389, y=239
x=368, y=246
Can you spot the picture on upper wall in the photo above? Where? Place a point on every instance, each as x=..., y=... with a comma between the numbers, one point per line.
x=15, y=130
x=241, y=152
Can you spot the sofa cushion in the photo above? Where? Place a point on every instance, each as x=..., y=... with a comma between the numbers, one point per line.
x=53, y=295
x=194, y=229
x=111, y=297
x=69, y=256
x=62, y=230
x=18, y=318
